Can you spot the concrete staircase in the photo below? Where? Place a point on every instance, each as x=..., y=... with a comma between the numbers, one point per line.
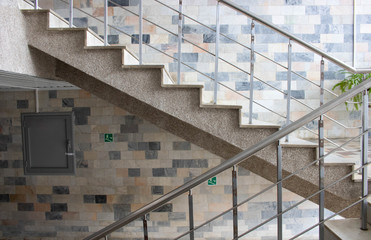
x=111, y=74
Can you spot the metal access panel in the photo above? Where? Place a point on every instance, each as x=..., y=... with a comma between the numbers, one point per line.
x=48, y=143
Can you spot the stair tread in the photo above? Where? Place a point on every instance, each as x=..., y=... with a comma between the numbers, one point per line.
x=183, y=85
x=348, y=229
x=257, y=124
x=221, y=106
x=297, y=142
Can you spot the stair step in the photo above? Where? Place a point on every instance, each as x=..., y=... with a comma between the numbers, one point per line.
x=257, y=124
x=297, y=142
x=357, y=177
x=346, y=229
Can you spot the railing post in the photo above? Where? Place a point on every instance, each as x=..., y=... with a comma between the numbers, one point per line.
x=140, y=32
x=279, y=191
x=106, y=237
x=36, y=4
x=234, y=199
x=321, y=151
x=190, y=209
x=289, y=76
x=252, y=62
x=364, y=152
x=217, y=37
x=105, y=22
x=145, y=227
x=180, y=37
x=71, y=13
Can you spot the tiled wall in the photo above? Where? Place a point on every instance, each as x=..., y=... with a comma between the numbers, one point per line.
x=327, y=25
x=115, y=178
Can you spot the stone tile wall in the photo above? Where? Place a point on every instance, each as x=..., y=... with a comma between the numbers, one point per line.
x=327, y=25
x=115, y=178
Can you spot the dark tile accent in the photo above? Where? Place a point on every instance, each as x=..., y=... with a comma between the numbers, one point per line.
x=293, y=2
x=165, y=208
x=190, y=163
x=181, y=146
x=119, y=137
x=124, y=128
x=142, y=146
x=177, y=216
x=146, y=38
x=26, y=207
x=58, y=207
x=80, y=162
x=52, y=93
x=17, y=164
x=123, y=3
x=81, y=115
x=68, y=102
x=80, y=22
x=44, y=198
x=22, y=104
x=89, y=198
x=132, y=146
x=3, y=147
x=164, y=172
x=157, y=190
x=113, y=39
x=14, y=181
x=154, y=146
x=209, y=38
x=53, y=216
x=121, y=210
x=188, y=57
x=245, y=86
x=114, y=155
x=61, y=190
x=100, y=198
x=150, y=154
x=134, y=172
x=5, y=139
x=298, y=94
x=4, y=164
x=4, y=198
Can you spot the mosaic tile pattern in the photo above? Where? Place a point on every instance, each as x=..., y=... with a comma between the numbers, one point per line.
x=327, y=25
x=116, y=178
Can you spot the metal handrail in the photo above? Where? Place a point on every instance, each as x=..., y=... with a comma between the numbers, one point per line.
x=222, y=59
x=274, y=138
x=296, y=39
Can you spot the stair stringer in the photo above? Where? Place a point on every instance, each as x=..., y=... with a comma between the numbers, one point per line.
x=139, y=91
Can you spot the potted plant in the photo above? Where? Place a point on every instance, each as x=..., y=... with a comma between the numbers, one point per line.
x=351, y=80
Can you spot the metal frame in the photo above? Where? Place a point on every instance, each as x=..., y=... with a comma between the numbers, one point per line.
x=233, y=161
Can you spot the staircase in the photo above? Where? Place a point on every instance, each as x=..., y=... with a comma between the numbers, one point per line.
x=78, y=56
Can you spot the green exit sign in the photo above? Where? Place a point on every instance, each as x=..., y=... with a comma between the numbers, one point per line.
x=108, y=137
x=211, y=181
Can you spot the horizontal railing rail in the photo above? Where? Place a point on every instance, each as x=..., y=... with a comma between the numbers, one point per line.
x=296, y=39
x=231, y=162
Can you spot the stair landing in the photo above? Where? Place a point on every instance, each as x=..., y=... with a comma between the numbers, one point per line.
x=346, y=229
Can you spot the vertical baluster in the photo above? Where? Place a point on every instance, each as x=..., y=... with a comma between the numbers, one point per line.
x=180, y=37
x=140, y=32
x=252, y=62
x=190, y=209
x=145, y=227
x=279, y=191
x=364, y=151
x=105, y=22
x=321, y=151
x=37, y=100
x=217, y=37
x=36, y=5
x=234, y=199
x=106, y=237
x=289, y=71
x=71, y=13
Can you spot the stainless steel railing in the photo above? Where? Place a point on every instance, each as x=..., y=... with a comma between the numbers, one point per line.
x=250, y=98
x=273, y=139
